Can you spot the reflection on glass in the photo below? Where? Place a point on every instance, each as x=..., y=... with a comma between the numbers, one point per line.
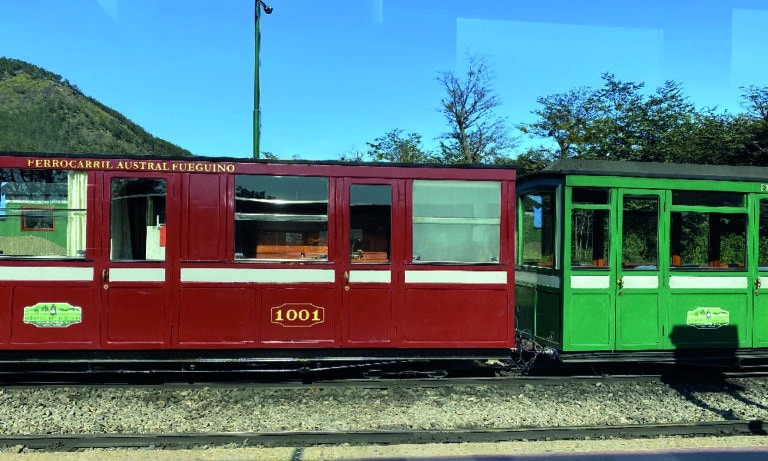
x=763, y=249
x=43, y=213
x=589, y=239
x=708, y=240
x=456, y=221
x=536, y=229
x=137, y=219
x=370, y=218
x=640, y=230
x=281, y=217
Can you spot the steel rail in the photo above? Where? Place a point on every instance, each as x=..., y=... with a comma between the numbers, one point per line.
x=73, y=442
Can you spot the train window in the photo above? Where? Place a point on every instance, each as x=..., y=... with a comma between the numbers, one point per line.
x=589, y=196
x=536, y=229
x=456, y=221
x=137, y=219
x=590, y=239
x=370, y=218
x=708, y=240
x=38, y=219
x=763, y=237
x=42, y=213
x=707, y=198
x=640, y=233
x=282, y=218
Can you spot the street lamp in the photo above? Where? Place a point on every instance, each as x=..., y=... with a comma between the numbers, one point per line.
x=258, y=6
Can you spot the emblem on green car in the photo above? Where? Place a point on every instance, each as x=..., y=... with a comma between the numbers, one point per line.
x=707, y=318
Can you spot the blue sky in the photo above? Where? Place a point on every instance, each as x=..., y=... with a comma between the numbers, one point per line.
x=335, y=75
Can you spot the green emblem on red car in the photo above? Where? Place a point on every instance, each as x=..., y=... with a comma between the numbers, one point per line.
x=53, y=315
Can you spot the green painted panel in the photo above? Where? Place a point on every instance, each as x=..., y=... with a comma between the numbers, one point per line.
x=709, y=320
x=589, y=322
x=761, y=320
x=638, y=322
x=538, y=314
x=549, y=319
x=525, y=304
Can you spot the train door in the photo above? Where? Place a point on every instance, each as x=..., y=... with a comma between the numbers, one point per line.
x=639, y=276
x=370, y=269
x=760, y=281
x=135, y=270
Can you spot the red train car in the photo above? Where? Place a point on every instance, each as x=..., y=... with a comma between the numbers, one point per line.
x=207, y=258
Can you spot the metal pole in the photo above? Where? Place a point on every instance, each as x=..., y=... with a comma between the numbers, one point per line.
x=258, y=5
x=256, y=99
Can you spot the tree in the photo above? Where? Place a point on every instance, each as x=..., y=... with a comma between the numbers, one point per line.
x=755, y=121
x=755, y=100
x=392, y=147
x=533, y=160
x=618, y=122
x=476, y=134
x=566, y=118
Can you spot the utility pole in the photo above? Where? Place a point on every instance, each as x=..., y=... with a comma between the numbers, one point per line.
x=258, y=5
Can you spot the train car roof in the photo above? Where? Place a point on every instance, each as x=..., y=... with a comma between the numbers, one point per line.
x=651, y=170
x=250, y=160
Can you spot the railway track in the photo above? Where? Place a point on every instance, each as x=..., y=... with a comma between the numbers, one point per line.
x=303, y=439
x=399, y=378
x=379, y=411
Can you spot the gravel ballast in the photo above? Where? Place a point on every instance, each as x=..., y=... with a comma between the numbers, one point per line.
x=252, y=408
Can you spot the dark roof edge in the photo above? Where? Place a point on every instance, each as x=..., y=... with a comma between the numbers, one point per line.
x=656, y=170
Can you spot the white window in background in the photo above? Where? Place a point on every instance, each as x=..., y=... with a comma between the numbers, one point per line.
x=456, y=221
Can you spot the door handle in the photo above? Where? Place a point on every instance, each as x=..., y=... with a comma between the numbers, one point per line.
x=104, y=275
x=620, y=283
x=346, y=276
x=758, y=283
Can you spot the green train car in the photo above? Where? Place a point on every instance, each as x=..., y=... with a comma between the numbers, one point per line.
x=643, y=261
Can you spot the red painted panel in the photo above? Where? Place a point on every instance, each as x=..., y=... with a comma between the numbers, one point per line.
x=136, y=315
x=5, y=314
x=217, y=315
x=299, y=315
x=369, y=315
x=466, y=318
x=205, y=218
x=54, y=336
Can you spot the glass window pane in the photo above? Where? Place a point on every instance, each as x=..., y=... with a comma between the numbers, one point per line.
x=708, y=240
x=590, y=239
x=137, y=219
x=589, y=196
x=536, y=229
x=707, y=198
x=640, y=233
x=763, y=250
x=281, y=217
x=370, y=219
x=456, y=221
x=43, y=213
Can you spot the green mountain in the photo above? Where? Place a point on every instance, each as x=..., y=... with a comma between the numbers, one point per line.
x=42, y=112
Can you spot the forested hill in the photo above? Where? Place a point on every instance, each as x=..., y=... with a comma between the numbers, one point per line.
x=42, y=112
